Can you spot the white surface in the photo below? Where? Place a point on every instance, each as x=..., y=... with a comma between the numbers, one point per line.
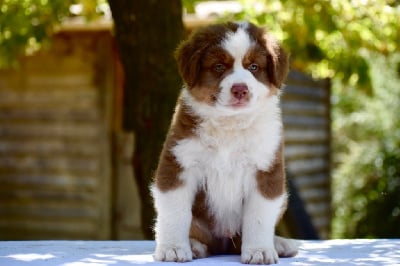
x=96, y=253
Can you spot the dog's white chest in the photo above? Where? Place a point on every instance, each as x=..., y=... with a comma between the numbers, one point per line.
x=229, y=176
x=225, y=165
x=226, y=173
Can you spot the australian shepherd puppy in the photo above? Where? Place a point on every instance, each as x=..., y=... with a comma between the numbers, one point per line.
x=220, y=182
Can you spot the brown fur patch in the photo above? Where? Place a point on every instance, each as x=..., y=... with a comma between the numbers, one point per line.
x=258, y=55
x=277, y=60
x=207, y=87
x=202, y=222
x=168, y=170
x=190, y=52
x=272, y=183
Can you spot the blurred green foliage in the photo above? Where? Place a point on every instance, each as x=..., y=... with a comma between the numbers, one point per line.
x=25, y=25
x=367, y=148
x=189, y=5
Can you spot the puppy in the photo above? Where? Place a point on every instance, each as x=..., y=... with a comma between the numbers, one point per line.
x=220, y=182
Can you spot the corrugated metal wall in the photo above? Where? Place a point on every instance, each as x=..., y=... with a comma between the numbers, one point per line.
x=55, y=141
x=306, y=117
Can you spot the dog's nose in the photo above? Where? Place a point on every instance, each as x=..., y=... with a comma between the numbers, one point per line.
x=239, y=90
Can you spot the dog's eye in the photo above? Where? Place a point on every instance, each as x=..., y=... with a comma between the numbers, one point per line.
x=253, y=67
x=219, y=68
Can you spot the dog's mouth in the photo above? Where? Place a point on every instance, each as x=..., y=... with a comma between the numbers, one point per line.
x=239, y=103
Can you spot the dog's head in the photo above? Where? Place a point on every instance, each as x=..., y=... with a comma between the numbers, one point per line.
x=232, y=66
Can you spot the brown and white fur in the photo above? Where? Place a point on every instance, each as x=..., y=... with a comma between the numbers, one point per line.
x=220, y=182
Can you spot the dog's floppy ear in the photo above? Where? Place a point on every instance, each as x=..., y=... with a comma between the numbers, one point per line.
x=277, y=61
x=190, y=52
x=188, y=55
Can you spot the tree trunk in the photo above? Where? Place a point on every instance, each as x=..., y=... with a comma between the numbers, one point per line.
x=147, y=33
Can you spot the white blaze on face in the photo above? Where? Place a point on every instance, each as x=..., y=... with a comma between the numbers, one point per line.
x=238, y=44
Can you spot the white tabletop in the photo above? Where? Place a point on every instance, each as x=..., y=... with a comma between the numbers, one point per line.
x=95, y=253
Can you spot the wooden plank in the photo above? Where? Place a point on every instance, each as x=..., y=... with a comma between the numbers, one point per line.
x=49, y=210
x=304, y=121
x=42, y=194
x=49, y=163
x=302, y=151
x=51, y=63
x=312, y=180
x=303, y=92
x=48, y=113
x=57, y=129
x=303, y=166
x=295, y=107
x=71, y=80
x=83, y=99
x=46, y=146
x=296, y=135
x=314, y=195
x=46, y=180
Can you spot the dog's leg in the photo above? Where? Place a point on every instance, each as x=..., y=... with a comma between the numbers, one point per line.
x=259, y=220
x=174, y=215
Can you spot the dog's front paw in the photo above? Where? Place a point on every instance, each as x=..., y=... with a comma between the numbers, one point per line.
x=259, y=256
x=286, y=247
x=173, y=253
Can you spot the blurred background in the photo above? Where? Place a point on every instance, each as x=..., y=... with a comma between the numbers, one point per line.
x=87, y=90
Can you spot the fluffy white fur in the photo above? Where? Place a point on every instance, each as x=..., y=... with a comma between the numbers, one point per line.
x=259, y=222
x=222, y=158
x=174, y=210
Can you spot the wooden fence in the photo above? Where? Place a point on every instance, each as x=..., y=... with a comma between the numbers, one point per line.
x=55, y=160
